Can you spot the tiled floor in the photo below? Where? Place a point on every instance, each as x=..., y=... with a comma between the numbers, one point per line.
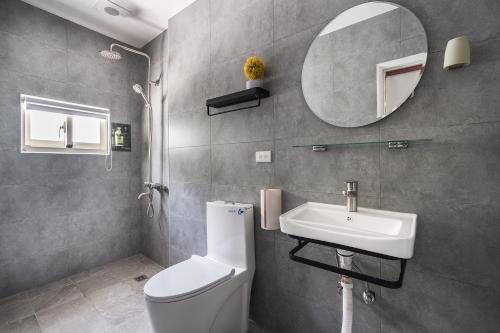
x=103, y=300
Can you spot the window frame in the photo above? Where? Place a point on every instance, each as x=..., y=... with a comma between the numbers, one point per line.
x=418, y=59
x=28, y=103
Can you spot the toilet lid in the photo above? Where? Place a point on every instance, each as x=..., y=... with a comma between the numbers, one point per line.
x=187, y=279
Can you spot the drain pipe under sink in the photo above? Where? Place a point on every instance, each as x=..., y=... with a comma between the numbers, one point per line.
x=345, y=258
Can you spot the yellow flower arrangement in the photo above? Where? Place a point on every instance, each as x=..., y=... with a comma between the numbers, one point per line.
x=254, y=68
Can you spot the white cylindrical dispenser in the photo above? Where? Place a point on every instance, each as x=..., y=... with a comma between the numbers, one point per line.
x=270, y=208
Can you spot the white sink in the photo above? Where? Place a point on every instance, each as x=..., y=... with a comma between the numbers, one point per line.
x=373, y=230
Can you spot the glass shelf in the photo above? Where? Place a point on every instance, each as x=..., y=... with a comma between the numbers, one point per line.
x=391, y=144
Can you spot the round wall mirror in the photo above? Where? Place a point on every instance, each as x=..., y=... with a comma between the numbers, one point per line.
x=364, y=64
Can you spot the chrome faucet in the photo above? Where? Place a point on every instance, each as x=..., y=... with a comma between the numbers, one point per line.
x=150, y=187
x=143, y=194
x=351, y=192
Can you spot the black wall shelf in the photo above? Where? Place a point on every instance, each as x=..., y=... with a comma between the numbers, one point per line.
x=247, y=95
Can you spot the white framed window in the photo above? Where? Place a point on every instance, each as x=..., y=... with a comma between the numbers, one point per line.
x=52, y=126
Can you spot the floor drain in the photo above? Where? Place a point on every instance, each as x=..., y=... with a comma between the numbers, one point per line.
x=140, y=278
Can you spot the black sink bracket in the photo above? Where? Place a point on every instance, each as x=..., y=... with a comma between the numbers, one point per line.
x=302, y=242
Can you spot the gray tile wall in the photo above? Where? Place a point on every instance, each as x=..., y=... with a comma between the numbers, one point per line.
x=452, y=282
x=61, y=214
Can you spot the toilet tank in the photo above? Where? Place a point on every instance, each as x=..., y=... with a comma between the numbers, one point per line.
x=230, y=237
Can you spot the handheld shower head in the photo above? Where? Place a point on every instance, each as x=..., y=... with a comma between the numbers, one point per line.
x=110, y=54
x=138, y=89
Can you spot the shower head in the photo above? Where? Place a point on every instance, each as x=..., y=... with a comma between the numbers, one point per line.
x=110, y=54
x=138, y=89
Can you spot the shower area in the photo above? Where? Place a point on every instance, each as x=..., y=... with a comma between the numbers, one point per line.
x=64, y=214
x=149, y=186
x=155, y=242
x=152, y=90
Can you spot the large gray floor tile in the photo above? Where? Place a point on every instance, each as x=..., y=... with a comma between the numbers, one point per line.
x=15, y=308
x=124, y=269
x=107, y=296
x=26, y=325
x=55, y=297
x=78, y=316
x=134, y=324
x=103, y=299
x=118, y=310
x=95, y=283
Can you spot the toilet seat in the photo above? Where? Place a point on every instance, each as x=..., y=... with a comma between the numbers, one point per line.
x=187, y=279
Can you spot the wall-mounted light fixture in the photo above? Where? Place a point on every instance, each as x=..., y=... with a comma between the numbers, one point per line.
x=457, y=53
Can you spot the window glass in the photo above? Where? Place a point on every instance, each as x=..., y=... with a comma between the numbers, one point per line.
x=86, y=129
x=46, y=126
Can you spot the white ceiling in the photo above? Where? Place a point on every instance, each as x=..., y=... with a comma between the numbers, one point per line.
x=138, y=23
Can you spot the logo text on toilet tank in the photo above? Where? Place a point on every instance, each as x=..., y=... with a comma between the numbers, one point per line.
x=239, y=211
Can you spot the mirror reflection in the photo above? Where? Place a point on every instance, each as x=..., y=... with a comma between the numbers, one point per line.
x=364, y=64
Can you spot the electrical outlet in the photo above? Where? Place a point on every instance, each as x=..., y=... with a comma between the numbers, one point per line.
x=263, y=156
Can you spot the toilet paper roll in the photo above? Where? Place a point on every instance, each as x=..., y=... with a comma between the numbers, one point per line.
x=270, y=208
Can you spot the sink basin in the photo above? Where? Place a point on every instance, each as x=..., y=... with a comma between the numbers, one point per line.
x=373, y=230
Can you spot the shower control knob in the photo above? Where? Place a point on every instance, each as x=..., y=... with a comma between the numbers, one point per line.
x=368, y=297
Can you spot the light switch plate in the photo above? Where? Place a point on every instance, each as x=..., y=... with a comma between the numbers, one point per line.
x=263, y=156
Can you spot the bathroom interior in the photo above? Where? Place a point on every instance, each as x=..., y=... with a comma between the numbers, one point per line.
x=259, y=166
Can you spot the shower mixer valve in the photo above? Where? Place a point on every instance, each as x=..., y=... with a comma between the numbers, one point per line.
x=156, y=186
x=150, y=190
x=149, y=193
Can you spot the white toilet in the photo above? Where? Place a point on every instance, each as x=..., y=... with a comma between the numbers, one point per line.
x=211, y=293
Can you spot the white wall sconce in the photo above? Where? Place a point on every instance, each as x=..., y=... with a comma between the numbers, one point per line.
x=457, y=53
